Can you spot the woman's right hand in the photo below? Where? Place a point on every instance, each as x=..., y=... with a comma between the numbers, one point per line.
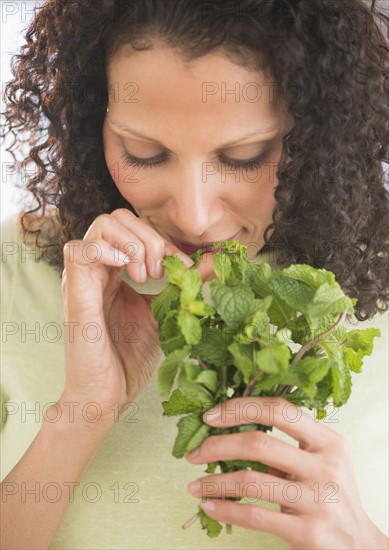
x=112, y=346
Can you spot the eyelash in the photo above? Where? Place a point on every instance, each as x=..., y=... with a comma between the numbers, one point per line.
x=250, y=164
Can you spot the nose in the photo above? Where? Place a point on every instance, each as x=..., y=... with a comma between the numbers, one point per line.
x=196, y=204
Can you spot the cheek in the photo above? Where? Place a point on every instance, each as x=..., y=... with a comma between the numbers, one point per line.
x=257, y=193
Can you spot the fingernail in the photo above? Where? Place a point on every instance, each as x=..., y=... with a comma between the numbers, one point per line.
x=159, y=268
x=193, y=453
x=123, y=258
x=143, y=273
x=207, y=505
x=212, y=414
x=187, y=261
x=194, y=486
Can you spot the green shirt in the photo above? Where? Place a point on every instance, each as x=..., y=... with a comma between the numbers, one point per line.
x=134, y=496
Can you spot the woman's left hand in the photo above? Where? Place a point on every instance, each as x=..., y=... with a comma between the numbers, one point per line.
x=314, y=484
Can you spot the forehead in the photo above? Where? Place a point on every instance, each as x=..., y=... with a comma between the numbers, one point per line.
x=160, y=86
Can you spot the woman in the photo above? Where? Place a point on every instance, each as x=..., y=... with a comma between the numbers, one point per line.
x=172, y=125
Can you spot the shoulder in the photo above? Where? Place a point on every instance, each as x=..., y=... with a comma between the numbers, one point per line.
x=24, y=267
x=15, y=233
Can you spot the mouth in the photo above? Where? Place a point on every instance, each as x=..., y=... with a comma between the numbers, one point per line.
x=189, y=248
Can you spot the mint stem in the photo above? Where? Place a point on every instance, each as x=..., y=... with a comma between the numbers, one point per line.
x=308, y=345
x=251, y=384
x=282, y=390
x=190, y=521
x=202, y=364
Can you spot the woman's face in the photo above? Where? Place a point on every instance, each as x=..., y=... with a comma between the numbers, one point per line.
x=192, y=125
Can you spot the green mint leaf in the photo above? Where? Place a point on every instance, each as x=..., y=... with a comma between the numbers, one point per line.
x=179, y=403
x=273, y=359
x=167, y=300
x=169, y=327
x=190, y=286
x=211, y=468
x=194, y=390
x=260, y=276
x=235, y=465
x=256, y=325
x=168, y=369
x=190, y=327
x=238, y=261
x=232, y=303
x=201, y=309
x=213, y=347
x=175, y=269
x=268, y=382
x=296, y=294
x=341, y=380
x=248, y=428
x=321, y=399
x=170, y=336
x=243, y=359
x=222, y=267
x=301, y=331
x=280, y=313
x=172, y=344
x=341, y=377
x=309, y=275
x=196, y=257
x=189, y=372
x=359, y=343
x=307, y=372
x=212, y=526
x=328, y=300
x=209, y=379
x=191, y=433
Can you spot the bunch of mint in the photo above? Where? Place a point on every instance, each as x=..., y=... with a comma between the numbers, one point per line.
x=242, y=344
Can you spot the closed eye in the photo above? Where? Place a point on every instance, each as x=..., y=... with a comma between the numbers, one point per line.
x=232, y=164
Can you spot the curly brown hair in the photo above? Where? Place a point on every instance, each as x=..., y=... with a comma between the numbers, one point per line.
x=330, y=61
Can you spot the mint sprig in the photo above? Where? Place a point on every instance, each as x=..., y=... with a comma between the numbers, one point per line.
x=244, y=343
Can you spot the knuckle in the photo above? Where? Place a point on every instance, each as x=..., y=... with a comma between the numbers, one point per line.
x=119, y=212
x=254, y=516
x=314, y=534
x=103, y=219
x=247, y=477
x=326, y=470
x=340, y=443
x=210, y=445
x=135, y=250
x=257, y=441
x=70, y=244
x=69, y=250
x=157, y=246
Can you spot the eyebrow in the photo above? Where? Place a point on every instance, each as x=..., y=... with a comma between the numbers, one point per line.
x=257, y=132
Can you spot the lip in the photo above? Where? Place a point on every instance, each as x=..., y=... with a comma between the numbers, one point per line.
x=189, y=248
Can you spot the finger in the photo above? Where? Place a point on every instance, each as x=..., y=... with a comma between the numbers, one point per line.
x=257, y=446
x=81, y=259
x=156, y=246
x=252, y=485
x=271, y=411
x=276, y=472
x=119, y=237
x=138, y=240
x=251, y=516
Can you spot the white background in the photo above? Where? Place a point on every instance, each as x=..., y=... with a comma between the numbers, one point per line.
x=15, y=18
